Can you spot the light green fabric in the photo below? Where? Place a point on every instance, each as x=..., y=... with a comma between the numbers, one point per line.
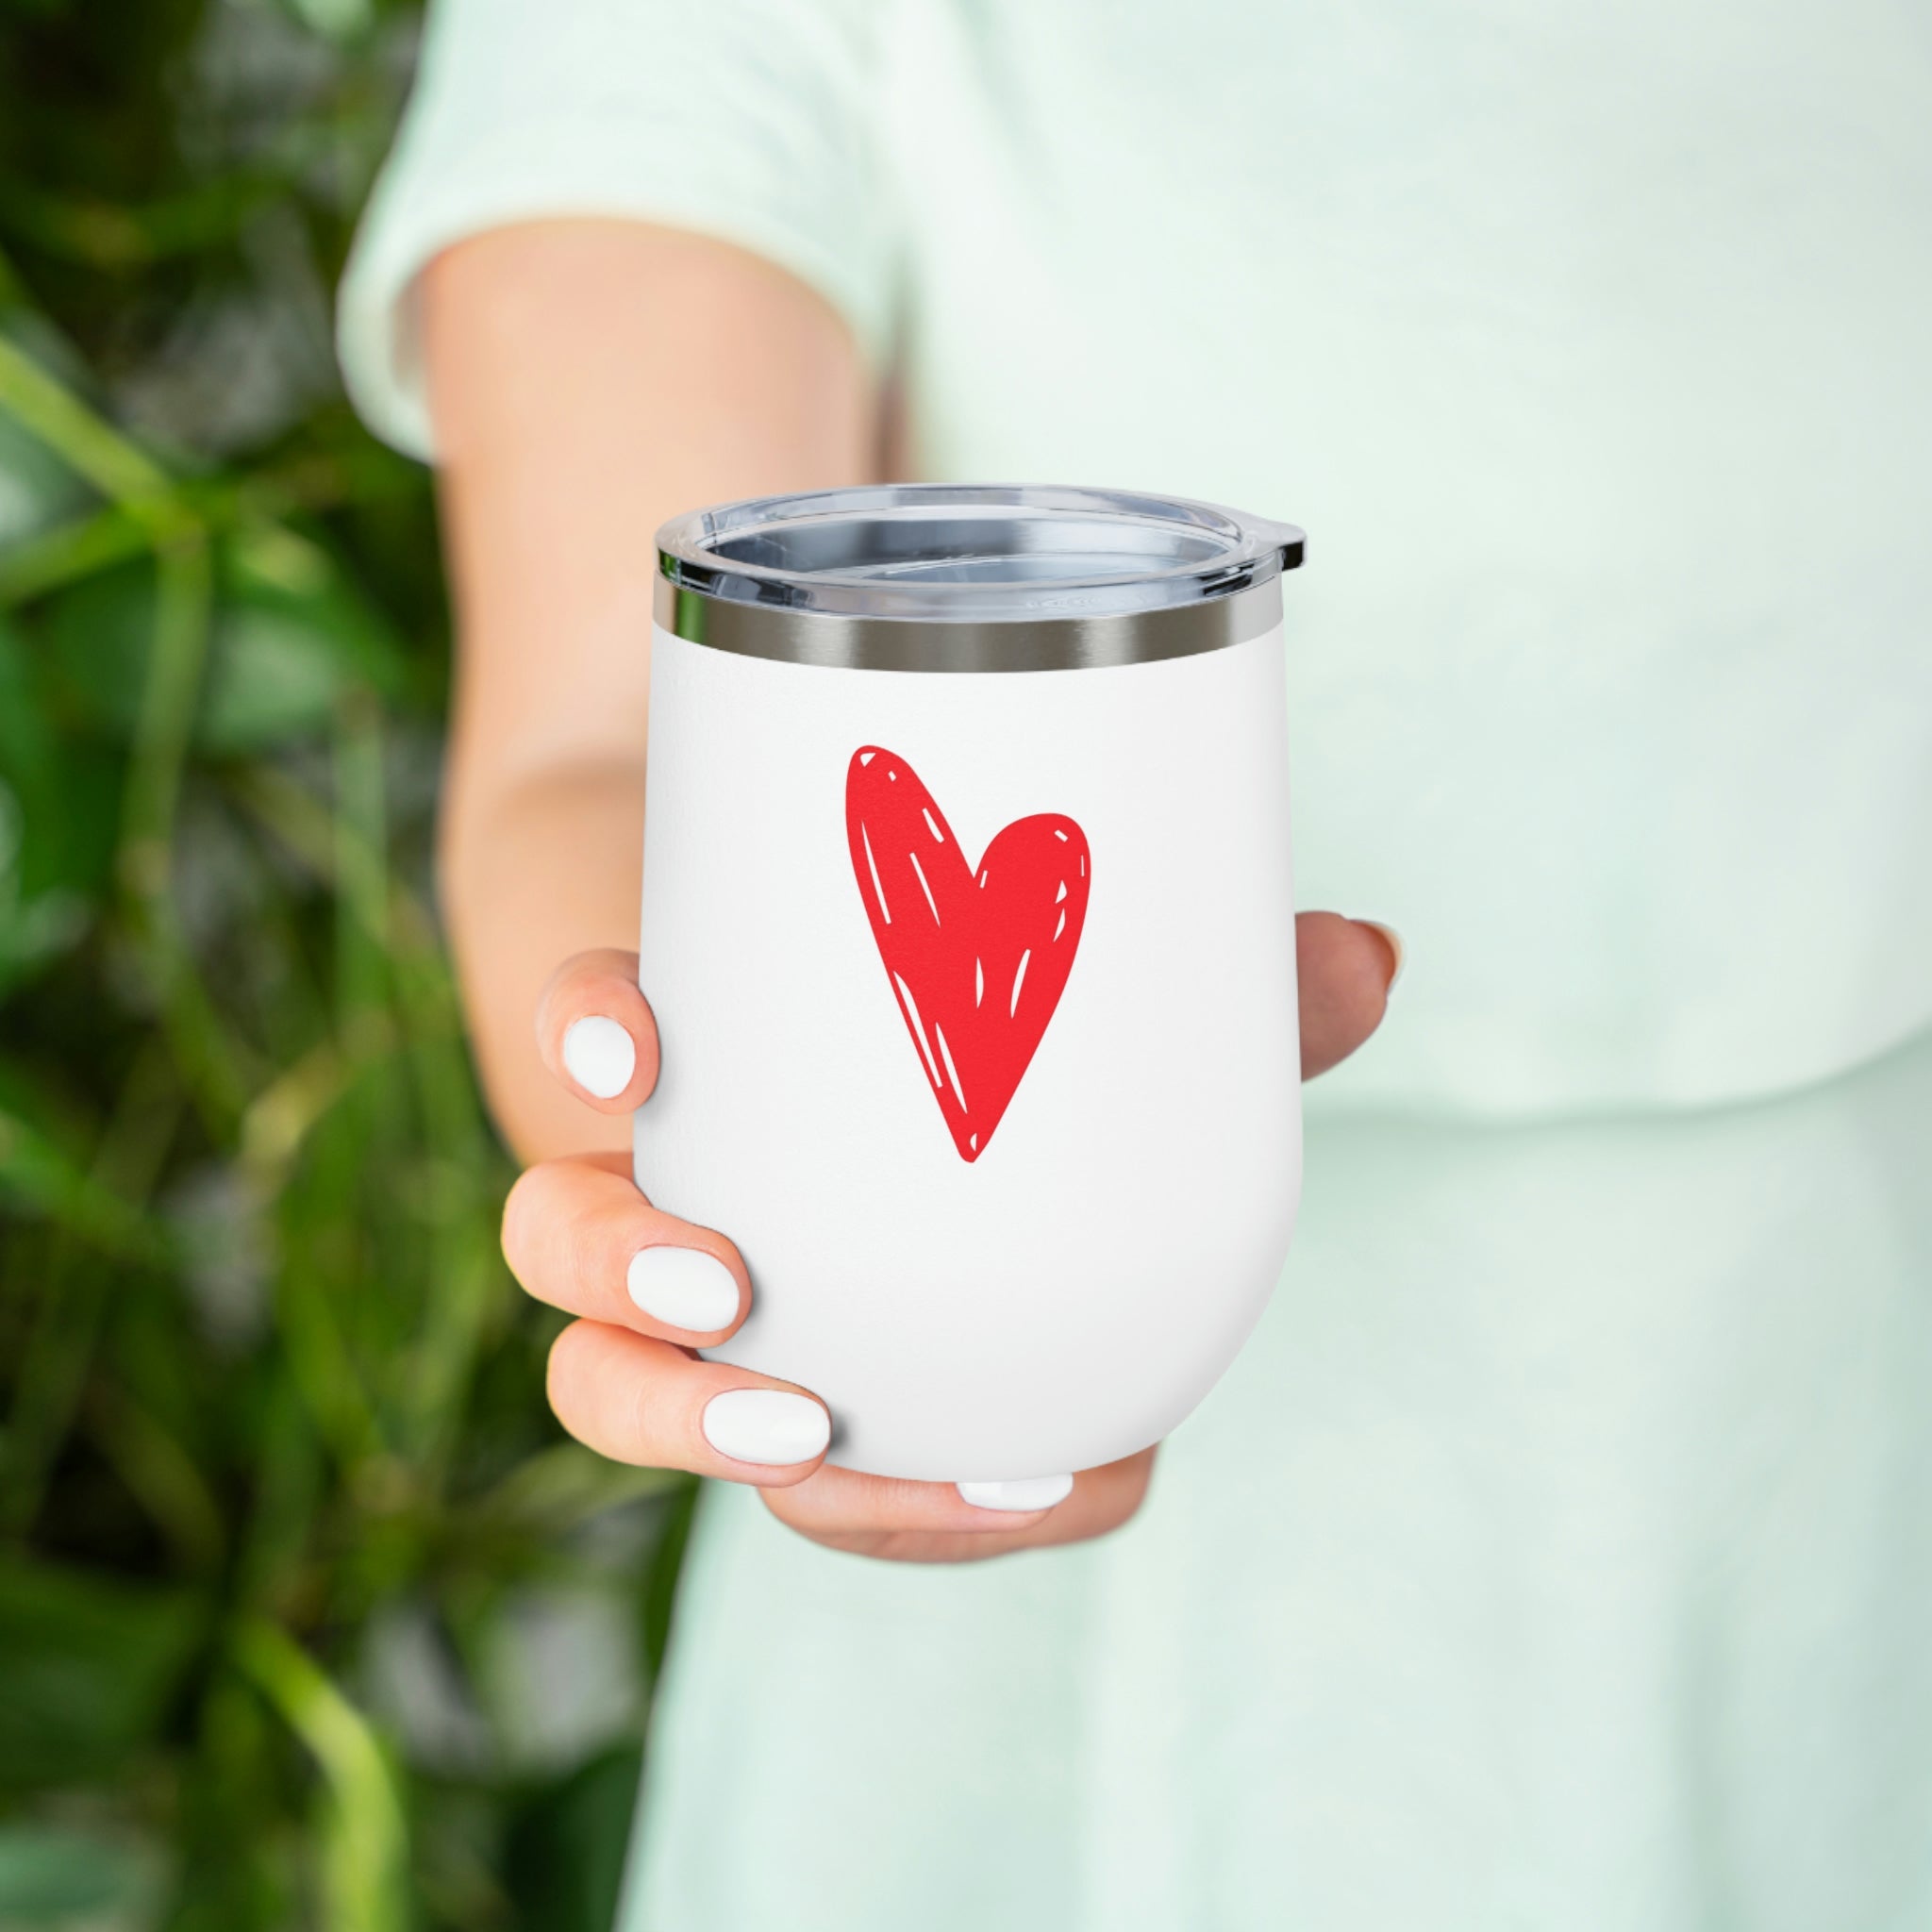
x=1558, y=1553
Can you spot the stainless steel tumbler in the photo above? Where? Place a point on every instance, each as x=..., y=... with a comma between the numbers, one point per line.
x=969, y=932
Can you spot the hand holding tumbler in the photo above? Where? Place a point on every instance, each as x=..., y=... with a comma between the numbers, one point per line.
x=969, y=932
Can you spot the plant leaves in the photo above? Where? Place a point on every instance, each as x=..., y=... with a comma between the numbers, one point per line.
x=365, y=1833
x=62, y=799
x=566, y=1852
x=37, y=488
x=88, y=1669
x=54, y=1874
x=291, y=636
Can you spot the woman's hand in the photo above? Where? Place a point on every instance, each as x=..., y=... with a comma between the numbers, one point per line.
x=649, y=1290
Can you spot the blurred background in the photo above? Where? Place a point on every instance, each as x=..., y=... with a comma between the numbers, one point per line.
x=307, y=1614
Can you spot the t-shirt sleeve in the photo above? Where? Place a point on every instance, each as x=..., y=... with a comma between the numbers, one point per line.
x=750, y=120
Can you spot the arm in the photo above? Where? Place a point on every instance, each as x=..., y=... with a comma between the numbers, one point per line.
x=589, y=379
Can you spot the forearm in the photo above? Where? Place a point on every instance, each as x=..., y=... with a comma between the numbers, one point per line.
x=587, y=381
x=533, y=871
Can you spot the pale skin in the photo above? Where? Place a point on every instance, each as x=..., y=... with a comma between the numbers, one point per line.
x=588, y=380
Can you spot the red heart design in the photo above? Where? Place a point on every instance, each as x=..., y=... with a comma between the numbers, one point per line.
x=976, y=960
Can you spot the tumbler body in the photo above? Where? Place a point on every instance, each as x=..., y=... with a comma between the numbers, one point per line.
x=1064, y=1288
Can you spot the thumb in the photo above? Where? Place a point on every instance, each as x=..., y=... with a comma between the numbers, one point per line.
x=1345, y=969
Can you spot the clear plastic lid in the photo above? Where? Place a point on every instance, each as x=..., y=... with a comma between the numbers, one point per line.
x=973, y=553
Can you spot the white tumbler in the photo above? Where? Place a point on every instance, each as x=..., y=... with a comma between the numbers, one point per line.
x=968, y=930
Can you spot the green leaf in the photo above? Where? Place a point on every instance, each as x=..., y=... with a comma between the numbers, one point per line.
x=366, y=1842
x=37, y=488
x=59, y=837
x=88, y=1670
x=275, y=573
x=566, y=1484
x=27, y=737
x=336, y=20
x=32, y=930
x=96, y=640
x=36, y=925
x=35, y=1172
x=566, y=1852
x=35, y=396
x=291, y=636
x=272, y=679
x=54, y=1876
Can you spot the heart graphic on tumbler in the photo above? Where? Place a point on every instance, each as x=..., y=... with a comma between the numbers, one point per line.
x=976, y=959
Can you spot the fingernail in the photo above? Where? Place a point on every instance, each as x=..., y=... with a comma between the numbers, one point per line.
x=599, y=1056
x=1395, y=946
x=1027, y=1493
x=683, y=1287
x=768, y=1426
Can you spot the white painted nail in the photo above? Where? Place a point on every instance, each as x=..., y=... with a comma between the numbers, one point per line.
x=769, y=1425
x=1396, y=946
x=599, y=1056
x=683, y=1287
x=1026, y=1492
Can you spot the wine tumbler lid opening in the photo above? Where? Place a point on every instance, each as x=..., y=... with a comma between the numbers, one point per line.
x=939, y=576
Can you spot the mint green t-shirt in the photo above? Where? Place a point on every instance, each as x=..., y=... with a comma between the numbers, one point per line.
x=1559, y=1553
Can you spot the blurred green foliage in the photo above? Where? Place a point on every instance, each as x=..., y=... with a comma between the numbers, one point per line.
x=306, y=1615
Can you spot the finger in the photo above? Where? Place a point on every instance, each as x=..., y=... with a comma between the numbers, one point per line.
x=595, y=1031
x=1346, y=969
x=932, y=1522
x=636, y=1399
x=578, y=1234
